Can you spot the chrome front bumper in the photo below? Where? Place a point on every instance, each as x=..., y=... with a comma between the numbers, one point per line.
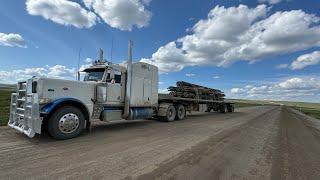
x=24, y=113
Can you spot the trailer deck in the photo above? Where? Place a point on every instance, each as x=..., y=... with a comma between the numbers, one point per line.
x=168, y=97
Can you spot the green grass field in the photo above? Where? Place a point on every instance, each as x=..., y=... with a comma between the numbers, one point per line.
x=5, y=96
x=311, y=109
x=243, y=104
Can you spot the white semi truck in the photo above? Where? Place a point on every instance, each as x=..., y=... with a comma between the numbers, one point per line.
x=108, y=93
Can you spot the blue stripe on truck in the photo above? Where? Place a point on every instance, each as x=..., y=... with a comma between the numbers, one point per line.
x=50, y=106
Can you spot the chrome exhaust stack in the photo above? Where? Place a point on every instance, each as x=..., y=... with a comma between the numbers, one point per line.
x=126, y=112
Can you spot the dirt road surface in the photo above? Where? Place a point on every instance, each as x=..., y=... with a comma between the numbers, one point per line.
x=267, y=142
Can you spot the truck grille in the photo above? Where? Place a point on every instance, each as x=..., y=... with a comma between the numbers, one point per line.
x=24, y=110
x=21, y=97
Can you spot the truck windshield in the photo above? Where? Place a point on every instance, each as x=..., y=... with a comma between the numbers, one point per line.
x=94, y=75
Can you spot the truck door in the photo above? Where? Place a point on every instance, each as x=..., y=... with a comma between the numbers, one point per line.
x=147, y=90
x=114, y=89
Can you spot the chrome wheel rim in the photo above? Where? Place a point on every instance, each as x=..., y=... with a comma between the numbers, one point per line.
x=69, y=123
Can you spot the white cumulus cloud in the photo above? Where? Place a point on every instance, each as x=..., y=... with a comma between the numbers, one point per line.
x=12, y=40
x=295, y=88
x=282, y=66
x=235, y=90
x=57, y=71
x=60, y=71
x=306, y=60
x=121, y=14
x=190, y=74
x=163, y=91
x=88, y=60
x=168, y=58
x=270, y=1
x=62, y=12
x=239, y=34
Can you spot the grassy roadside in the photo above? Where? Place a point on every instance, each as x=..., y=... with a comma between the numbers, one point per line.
x=243, y=104
x=310, y=109
x=313, y=112
x=5, y=96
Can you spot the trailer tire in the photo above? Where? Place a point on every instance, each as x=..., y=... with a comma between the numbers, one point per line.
x=171, y=114
x=66, y=122
x=222, y=108
x=180, y=112
x=230, y=108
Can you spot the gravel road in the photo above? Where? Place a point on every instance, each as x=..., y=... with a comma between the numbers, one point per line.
x=267, y=142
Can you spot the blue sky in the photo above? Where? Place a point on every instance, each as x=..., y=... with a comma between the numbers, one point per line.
x=267, y=49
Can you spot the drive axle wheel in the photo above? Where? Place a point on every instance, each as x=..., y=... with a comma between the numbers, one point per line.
x=181, y=112
x=223, y=108
x=230, y=108
x=67, y=122
x=171, y=114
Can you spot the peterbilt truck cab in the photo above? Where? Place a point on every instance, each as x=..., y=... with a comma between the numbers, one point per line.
x=64, y=108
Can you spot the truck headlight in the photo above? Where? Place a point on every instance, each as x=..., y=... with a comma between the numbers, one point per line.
x=44, y=100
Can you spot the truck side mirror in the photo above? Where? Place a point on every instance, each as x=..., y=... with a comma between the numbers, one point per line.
x=112, y=76
x=78, y=75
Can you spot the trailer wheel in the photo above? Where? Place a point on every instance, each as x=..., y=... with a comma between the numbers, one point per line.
x=66, y=123
x=181, y=112
x=171, y=114
x=223, y=108
x=230, y=108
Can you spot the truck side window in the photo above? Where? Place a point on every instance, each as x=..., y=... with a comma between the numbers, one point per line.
x=108, y=79
x=117, y=78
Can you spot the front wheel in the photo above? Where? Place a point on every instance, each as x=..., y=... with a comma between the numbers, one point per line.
x=66, y=123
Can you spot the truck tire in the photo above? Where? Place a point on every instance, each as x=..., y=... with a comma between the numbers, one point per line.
x=67, y=122
x=230, y=108
x=222, y=108
x=171, y=114
x=180, y=112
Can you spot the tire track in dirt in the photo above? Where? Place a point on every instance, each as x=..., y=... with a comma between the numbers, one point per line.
x=298, y=153
x=243, y=152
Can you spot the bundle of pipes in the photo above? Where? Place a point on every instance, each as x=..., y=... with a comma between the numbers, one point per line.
x=188, y=90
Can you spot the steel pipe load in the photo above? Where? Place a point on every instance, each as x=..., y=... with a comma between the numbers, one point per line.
x=189, y=90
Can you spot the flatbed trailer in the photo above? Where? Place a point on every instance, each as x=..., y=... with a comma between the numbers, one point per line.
x=175, y=108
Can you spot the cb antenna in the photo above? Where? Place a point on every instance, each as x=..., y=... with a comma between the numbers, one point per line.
x=111, y=53
x=78, y=71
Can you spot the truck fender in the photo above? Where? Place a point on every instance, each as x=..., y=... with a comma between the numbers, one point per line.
x=49, y=108
x=163, y=107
